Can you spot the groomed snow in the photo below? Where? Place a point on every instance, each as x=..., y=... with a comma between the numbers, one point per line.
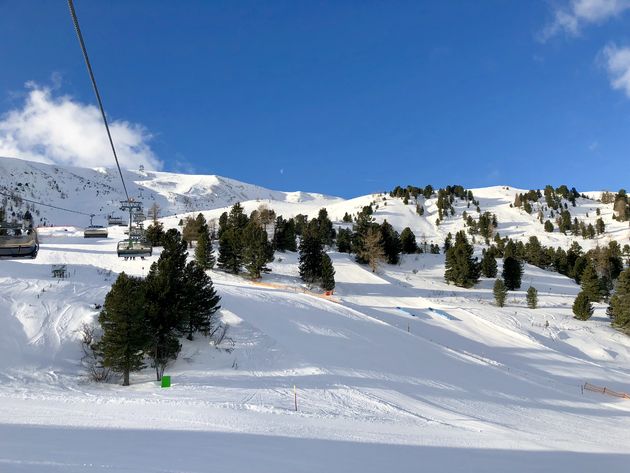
x=399, y=372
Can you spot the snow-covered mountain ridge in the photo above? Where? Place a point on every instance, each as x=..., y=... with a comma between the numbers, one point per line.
x=99, y=191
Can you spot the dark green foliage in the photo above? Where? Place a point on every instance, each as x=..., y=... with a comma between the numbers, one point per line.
x=230, y=251
x=326, y=231
x=408, y=241
x=155, y=233
x=589, y=282
x=300, y=223
x=500, y=292
x=311, y=251
x=125, y=334
x=391, y=243
x=580, y=265
x=582, y=308
x=620, y=302
x=448, y=242
x=548, y=226
x=512, y=273
x=199, y=302
x=462, y=268
x=165, y=286
x=231, y=245
x=488, y=265
x=284, y=235
x=257, y=249
x=344, y=240
x=532, y=297
x=204, y=253
x=328, y=273
x=347, y=218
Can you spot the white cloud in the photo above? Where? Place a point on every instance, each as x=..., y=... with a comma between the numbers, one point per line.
x=59, y=130
x=574, y=15
x=617, y=62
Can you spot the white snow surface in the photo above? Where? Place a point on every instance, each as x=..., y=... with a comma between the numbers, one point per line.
x=399, y=372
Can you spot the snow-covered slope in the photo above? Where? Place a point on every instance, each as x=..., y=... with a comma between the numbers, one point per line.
x=99, y=191
x=398, y=372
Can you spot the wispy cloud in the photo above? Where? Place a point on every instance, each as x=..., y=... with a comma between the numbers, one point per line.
x=616, y=60
x=60, y=130
x=572, y=16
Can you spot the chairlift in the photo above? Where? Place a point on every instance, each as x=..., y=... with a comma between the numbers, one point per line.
x=114, y=220
x=18, y=242
x=95, y=231
x=136, y=245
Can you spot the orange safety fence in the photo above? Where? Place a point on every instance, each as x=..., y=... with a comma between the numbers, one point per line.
x=327, y=295
x=604, y=390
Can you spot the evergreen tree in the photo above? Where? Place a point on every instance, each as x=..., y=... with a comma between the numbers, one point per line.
x=199, y=302
x=532, y=297
x=548, y=226
x=500, y=292
x=155, y=233
x=582, y=308
x=311, y=251
x=512, y=273
x=257, y=249
x=344, y=240
x=448, y=242
x=231, y=240
x=408, y=241
x=590, y=284
x=391, y=243
x=488, y=265
x=230, y=250
x=204, y=253
x=328, y=273
x=326, y=230
x=284, y=235
x=165, y=289
x=620, y=302
x=122, y=319
x=461, y=267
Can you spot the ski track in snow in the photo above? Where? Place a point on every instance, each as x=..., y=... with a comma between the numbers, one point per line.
x=403, y=371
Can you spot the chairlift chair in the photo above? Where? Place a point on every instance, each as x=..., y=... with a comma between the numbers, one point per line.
x=15, y=242
x=95, y=231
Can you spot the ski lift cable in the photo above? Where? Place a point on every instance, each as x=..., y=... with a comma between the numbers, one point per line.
x=75, y=20
x=13, y=195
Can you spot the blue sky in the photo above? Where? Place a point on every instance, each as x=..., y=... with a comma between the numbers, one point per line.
x=338, y=97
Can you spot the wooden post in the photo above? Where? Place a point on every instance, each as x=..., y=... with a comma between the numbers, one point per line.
x=295, y=397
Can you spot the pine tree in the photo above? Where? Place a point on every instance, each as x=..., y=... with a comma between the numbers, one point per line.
x=532, y=297
x=311, y=251
x=582, y=308
x=500, y=292
x=589, y=283
x=155, y=233
x=230, y=251
x=257, y=250
x=204, y=253
x=512, y=273
x=199, y=302
x=344, y=240
x=548, y=226
x=408, y=241
x=391, y=243
x=489, y=265
x=461, y=267
x=620, y=302
x=165, y=289
x=328, y=273
x=122, y=319
x=326, y=230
